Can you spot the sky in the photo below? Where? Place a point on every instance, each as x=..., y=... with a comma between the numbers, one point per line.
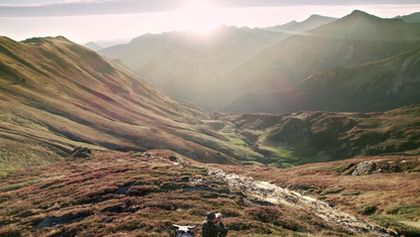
x=121, y=20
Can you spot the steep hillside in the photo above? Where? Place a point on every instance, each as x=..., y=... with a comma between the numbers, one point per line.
x=355, y=39
x=186, y=65
x=306, y=137
x=56, y=95
x=293, y=27
x=375, y=86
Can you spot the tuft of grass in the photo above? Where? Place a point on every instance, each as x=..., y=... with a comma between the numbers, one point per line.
x=19, y=185
x=394, y=223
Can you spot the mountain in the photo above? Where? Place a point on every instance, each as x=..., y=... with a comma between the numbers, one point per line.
x=375, y=86
x=93, y=46
x=355, y=39
x=57, y=95
x=412, y=18
x=186, y=65
x=293, y=27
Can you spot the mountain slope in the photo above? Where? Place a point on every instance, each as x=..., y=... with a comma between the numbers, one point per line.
x=355, y=39
x=375, y=86
x=56, y=95
x=305, y=137
x=293, y=27
x=413, y=18
x=186, y=65
x=93, y=46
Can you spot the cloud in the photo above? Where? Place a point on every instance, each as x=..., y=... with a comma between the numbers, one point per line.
x=46, y=8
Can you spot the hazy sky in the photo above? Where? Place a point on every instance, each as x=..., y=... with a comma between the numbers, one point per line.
x=90, y=20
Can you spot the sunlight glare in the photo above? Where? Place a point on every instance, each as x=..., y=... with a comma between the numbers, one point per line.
x=202, y=17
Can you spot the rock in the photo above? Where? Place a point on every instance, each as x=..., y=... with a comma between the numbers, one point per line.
x=173, y=158
x=81, y=152
x=384, y=166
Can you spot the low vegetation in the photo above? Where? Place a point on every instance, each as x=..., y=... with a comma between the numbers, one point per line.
x=385, y=194
x=136, y=194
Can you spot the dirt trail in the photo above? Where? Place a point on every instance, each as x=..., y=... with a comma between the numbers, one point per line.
x=274, y=194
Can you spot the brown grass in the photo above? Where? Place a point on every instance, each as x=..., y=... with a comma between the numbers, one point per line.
x=123, y=194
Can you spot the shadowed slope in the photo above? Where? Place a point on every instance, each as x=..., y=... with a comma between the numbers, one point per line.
x=355, y=39
x=375, y=86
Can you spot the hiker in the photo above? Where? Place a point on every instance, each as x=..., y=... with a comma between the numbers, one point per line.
x=213, y=226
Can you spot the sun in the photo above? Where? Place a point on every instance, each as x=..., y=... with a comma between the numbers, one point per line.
x=202, y=17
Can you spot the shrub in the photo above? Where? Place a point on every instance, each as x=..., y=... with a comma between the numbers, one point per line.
x=142, y=190
x=268, y=215
x=367, y=210
x=401, y=228
x=9, y=232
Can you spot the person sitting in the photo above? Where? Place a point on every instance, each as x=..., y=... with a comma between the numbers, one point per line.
x=213, y=226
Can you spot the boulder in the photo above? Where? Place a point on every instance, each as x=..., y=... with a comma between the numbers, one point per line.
x=383, y=166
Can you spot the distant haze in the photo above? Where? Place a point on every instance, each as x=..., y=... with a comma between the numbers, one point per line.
x=86, y=20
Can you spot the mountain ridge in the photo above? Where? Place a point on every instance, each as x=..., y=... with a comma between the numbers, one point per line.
x=343, y=42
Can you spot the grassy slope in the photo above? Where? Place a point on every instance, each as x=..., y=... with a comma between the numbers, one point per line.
x=57, y=95
x=136, y=195
x=304, y=137
x=390, y=199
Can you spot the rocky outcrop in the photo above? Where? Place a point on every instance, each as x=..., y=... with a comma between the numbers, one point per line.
x=382, y=166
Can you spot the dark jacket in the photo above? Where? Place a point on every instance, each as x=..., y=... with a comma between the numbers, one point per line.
x=209, y=229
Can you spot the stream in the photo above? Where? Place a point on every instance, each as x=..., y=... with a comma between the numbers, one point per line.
x=274, y=194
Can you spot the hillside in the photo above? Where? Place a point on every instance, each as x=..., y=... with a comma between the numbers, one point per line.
x=57, y=95
x=355, y=39
x=142, y=194
x=375, y=86
x=306, y=137
x=186, y=65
